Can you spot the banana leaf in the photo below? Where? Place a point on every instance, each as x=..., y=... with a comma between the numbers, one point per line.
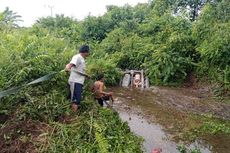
x=17, y=89
x=10, y=91
x=44, y=78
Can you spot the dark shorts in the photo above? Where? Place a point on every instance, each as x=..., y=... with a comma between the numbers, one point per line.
x=102, y=99
x=76, y=90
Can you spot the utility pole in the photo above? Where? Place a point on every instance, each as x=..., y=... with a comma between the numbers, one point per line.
x=51, y=9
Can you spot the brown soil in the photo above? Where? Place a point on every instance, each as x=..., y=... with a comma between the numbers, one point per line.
x=3, y=118
x=195, y=100
x=21, y=136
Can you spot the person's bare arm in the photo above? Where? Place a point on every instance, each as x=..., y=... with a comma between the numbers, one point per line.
x=68, y=67
x=101, y=90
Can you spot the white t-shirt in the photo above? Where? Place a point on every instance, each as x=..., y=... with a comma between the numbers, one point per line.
x=79, y=63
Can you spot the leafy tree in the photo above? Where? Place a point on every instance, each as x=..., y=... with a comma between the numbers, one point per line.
x=9, y=18
x=173, y=50
x=212, y=34
x=57, y=22
x=61, y=26
x=95, y=28
x=192, y=6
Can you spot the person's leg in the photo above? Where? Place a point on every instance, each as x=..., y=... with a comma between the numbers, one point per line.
x=72, y=97
x=79, y=93
x=68, y=92
x=100, y=101
x=108, y=98
x=76, y=99
x=74, y=107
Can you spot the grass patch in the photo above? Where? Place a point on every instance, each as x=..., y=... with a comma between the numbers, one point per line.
x=91, y=129
x=206, y=125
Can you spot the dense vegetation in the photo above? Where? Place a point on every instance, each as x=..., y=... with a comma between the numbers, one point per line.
x=171, y=40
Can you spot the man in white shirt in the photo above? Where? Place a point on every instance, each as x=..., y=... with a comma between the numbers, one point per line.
x=77, y=76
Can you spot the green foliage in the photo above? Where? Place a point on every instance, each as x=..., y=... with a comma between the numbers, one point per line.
x=148, y=36
x=38, y=51
x=94, y=28
x=100, y=139
x=173, y=51
x=33, y=57
x=212, y=34
x=108, y=68
x=113, y=42
x=95, y=130
x=44, y=108
x=182, y=149
x=127, y=50
x=215, y=128
x=9, y=19
x=192, y=6
x=127, y=17
x=168, y=67
x=208, y=126
x=60, y=26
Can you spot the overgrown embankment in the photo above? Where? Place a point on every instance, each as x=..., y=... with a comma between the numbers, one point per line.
x=38, y=118
x=47, y=125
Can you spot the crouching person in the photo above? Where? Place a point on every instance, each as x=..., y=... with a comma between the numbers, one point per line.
x=98, y=90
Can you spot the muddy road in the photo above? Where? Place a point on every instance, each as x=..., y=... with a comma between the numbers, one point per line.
x=162, y=116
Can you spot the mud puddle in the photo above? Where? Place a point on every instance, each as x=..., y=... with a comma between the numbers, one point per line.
x=154, y=136
x=161, y=123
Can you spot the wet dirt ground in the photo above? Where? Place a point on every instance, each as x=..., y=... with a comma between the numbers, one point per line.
x=21, y=136
x=163, y=115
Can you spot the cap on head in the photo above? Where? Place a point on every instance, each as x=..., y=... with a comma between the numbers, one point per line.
x=84, y=49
